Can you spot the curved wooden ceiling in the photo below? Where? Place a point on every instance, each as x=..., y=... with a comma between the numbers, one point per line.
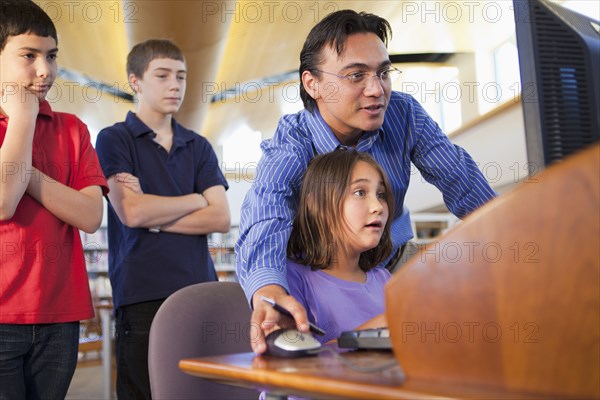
x=229, y=43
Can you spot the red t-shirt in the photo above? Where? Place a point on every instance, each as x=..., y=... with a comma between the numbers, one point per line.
x=43, y=278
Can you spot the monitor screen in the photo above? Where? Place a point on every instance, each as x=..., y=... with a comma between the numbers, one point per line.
x=559, y=60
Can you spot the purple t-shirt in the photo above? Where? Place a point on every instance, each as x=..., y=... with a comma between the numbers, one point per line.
x=336, y=305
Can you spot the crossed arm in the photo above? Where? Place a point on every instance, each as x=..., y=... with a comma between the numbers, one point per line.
x=191, y=214
x=16, y=159
x=79, y=208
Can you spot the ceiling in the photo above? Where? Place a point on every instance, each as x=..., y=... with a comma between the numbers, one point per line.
x=239, y=44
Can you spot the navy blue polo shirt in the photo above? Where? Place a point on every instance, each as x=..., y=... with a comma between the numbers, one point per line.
x=145, y=266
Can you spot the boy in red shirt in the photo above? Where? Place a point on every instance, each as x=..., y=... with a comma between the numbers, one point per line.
x=51, y=185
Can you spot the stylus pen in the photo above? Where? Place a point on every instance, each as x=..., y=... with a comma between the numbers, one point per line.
x=313, y=327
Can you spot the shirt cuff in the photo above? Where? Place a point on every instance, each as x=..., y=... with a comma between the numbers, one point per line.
x=262, y=277
x=401, y=229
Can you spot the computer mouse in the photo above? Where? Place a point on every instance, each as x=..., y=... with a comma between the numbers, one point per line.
x=291, y=343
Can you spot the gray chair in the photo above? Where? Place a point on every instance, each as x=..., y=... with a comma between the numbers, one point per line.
x=206, y=319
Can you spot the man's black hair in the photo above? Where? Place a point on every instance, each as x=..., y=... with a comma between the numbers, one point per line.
x=333, y=30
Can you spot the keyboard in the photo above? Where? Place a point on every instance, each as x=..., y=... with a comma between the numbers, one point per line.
x=368, y=339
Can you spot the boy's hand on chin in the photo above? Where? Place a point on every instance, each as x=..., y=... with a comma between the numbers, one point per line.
x=16, y=101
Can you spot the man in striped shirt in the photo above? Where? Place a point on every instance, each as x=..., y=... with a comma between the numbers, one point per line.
x=346, y=77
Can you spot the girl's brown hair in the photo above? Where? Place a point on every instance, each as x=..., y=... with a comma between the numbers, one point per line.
x=319, y=223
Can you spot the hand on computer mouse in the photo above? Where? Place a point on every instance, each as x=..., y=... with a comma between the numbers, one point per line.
x=291, y=343
x=265, y=319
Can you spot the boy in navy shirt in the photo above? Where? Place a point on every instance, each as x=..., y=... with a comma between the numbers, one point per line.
x=167, y=194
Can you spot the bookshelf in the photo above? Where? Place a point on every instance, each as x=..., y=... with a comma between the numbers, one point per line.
x=95, y=250
x=91, y=334
x=221, y=247
x=427, y=227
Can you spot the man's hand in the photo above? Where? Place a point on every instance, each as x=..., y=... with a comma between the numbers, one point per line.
x=265, y=319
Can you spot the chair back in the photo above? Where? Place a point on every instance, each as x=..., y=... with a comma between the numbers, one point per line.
x=205, y=319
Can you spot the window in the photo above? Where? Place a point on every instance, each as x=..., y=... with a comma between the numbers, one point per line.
x=241, y=152
x=585, y=7
x=437, y=89
x=498, y=75
x=506, y=68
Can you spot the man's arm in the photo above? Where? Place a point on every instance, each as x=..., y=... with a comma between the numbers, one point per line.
x=260, y=266
x=22, y=109
x=139, y=210
x=79, y=208
x=447, y=166
x=265, y=225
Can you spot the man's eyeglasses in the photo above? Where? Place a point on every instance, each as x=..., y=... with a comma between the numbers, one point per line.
x=387, y=75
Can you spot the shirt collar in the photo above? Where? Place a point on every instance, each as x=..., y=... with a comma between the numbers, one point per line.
x=45, y=109
x=136, y=126
x=325, y=141
x=180, y=135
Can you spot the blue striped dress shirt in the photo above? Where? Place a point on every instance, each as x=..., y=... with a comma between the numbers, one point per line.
x=408, y=135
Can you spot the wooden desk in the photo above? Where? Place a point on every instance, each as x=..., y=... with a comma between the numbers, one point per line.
x=325, y=376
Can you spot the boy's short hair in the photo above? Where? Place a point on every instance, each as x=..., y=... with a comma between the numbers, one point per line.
x=333, y=30
x=143, y=53
x=318, y=226
x=18, y=17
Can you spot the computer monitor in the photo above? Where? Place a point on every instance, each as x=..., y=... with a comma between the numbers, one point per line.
x=559, y=60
